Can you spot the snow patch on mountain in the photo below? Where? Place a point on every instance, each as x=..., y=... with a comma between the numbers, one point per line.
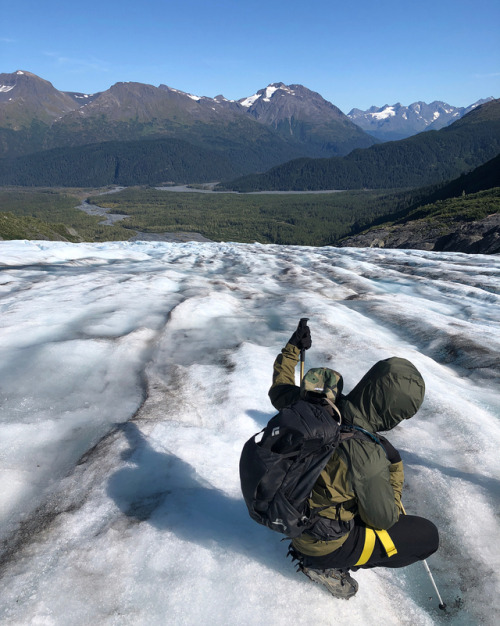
x=266, y=94
x=269, y=93
x=247, y=102
x=384, y=113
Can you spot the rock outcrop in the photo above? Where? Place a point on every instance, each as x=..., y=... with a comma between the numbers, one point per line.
x=477, y=237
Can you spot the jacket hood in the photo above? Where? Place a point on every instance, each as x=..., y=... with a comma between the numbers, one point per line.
x=390, y=392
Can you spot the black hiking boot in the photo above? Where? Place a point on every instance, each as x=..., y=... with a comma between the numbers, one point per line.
x=337, y=581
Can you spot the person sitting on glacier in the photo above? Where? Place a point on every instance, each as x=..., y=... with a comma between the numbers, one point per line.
x=358, y=494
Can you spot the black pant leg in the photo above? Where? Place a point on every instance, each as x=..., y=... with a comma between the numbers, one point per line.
x=415, y=539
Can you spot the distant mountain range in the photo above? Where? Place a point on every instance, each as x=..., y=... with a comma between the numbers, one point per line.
x=391, y=123
x=134, y=133
x=276, y=124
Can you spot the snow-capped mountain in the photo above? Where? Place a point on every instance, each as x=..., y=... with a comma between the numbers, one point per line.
x=295, y=111
x=279, y=101
x=392, y=122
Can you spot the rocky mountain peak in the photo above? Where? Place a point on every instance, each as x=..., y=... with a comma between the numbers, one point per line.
x=279, y=102
x=23, y=84
x=38, y=98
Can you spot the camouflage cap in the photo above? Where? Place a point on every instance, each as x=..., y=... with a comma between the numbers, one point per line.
x=322, y=381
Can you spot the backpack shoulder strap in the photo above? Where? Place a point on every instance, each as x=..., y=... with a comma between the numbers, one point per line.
x=356, y=432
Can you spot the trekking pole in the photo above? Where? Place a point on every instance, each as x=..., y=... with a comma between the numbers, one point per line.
x=442, y=605
x=303, y=322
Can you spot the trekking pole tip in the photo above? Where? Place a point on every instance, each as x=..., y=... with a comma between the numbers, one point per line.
x=442, y=607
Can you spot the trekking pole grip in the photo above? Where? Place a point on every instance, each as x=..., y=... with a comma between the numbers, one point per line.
x=303, y=322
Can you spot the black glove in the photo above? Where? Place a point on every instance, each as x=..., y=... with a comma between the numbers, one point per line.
x=301, y=338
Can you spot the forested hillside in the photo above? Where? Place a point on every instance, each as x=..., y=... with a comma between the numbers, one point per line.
x=469, y=223
x=425, y=159
x=118, y=163
x=462, y=215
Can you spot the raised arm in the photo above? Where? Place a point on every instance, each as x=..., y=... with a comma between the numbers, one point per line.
x=284, y=391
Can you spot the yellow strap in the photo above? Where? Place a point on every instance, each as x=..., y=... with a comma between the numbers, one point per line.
x=387, y=542
x=368, y=547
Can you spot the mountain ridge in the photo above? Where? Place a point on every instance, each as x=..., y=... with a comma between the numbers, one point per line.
x=132, y=110
x=394, y=122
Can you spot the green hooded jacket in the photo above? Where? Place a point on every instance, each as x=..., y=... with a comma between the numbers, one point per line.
x=359, y=479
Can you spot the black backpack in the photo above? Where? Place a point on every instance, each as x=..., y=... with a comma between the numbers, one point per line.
x=280, y=465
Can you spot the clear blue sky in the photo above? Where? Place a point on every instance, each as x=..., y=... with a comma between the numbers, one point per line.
x=354, y=54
